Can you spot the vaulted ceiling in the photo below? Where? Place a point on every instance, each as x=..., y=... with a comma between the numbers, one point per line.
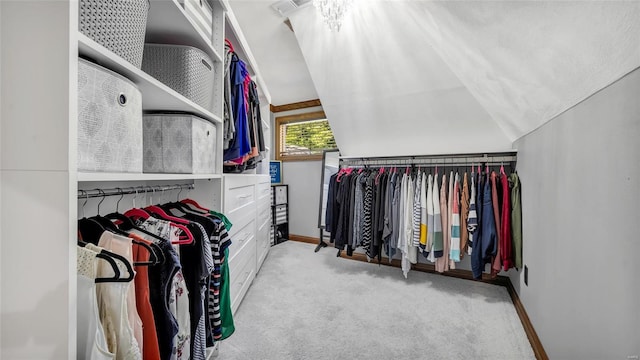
x=434, y=77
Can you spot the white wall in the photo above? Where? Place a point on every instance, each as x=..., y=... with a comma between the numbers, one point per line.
x=581, y=207
x=37, y=264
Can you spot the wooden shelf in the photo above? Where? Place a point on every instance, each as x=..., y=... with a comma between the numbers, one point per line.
x=99, y=177
x=155, y=95
x=168, y=23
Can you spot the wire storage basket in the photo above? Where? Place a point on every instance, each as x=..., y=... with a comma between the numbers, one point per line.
x=185, y=69
x=118, y=25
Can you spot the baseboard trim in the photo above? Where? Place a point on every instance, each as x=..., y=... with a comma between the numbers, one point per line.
x=304, y=239
x=536, y=344
x=500, y=280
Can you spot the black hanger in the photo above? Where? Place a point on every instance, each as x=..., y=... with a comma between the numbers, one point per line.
x=109, y=256
x=90, y=230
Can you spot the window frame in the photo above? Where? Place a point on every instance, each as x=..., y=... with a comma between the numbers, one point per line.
x=284, y=120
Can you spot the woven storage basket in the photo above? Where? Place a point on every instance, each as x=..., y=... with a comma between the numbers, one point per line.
x=178, y=143
x=118, y=25
x=186, y=69
x=109, y=121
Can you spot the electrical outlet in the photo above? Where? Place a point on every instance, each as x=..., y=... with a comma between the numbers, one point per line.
x=526, y=275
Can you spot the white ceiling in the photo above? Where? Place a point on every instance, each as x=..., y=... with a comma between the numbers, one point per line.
x=433, y=77
x=276, y=51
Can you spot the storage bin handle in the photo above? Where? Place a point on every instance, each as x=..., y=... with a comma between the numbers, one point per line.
x=205, y=63
x=122, y=99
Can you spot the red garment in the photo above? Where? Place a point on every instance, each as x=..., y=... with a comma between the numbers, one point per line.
x=505, y=231
x=150, y=348
x=496, y=263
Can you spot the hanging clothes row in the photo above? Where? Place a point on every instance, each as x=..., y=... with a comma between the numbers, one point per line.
x=153, y=282
x=443, y=217
x=244, y=145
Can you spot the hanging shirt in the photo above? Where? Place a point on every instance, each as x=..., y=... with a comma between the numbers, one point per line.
x=241, y=144
x=123, y=246
x=417, y=210
x=497, y=260
x=438, y=246
x=505, y=225
x=424, y=226
x=91, y=340
x=112, y=298
x=150, y=347
x=442, y=263
x=454, y=251
x=450, y=264
x=472, y=218
x=411, y=223
x=430, y=221
x=405, y=238
x=516, y=219
x=464, y=215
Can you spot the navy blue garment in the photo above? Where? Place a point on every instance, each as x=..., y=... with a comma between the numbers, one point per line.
x=486, y=246
x=160, y=281
x=477, y=266
x=241, y=143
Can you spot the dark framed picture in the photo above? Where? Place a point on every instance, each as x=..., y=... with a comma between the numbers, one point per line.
x=275, y=170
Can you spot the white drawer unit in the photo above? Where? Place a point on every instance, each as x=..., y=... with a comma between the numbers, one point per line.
x=242, y=271
x=246, y=204
x=263, y=215
x=263, y=243
x=280, y=214
x=241, y=237
x=263, y=190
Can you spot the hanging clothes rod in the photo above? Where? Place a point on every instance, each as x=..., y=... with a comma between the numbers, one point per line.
x=93, y=193
x=492, y=159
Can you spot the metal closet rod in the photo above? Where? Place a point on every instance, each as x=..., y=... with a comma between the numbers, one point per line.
x=93, y=193
x=436, y=160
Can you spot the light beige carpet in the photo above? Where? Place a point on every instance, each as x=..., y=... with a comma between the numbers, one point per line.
x=306, y=305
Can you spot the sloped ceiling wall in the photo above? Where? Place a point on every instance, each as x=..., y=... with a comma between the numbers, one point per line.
x=423, y=77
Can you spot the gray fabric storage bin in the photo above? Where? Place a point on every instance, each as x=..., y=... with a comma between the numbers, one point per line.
x=185, y=69
x=118, y=25
x=109, y=121
x=178, y=143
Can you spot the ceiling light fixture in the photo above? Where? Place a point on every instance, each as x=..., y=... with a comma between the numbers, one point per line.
x=333, y=11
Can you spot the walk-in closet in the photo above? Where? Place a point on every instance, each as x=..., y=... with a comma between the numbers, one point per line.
x=319, y=179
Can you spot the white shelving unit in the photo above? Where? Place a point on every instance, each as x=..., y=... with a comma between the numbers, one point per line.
x=89, y=176
x=38, y=141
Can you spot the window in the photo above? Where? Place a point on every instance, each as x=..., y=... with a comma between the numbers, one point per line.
x=303, y=137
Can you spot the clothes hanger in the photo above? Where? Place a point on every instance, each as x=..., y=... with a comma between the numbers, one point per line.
x=108, y=225
x=178, y=223
x=89, y=229
x=136, y=213
x=104, y=254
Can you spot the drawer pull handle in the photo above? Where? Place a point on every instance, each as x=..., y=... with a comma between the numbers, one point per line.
x=245, y=237
x=244, y=196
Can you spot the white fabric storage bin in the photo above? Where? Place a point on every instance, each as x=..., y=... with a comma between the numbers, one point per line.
x=118, y=25
x=199, y=11
x=185, y=69
x=178, y=143
x=109, y=121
